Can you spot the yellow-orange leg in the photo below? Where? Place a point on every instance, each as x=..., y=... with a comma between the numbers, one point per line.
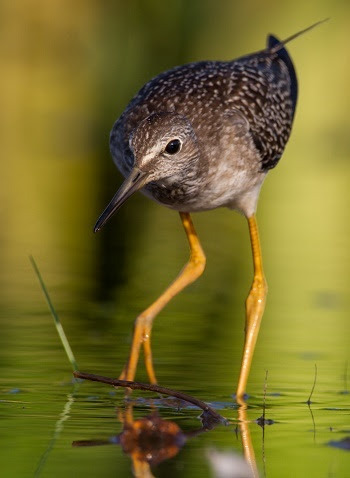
x=143, y=324
x=255, y=305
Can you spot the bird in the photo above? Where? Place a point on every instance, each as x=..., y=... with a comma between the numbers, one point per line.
x=198, y=137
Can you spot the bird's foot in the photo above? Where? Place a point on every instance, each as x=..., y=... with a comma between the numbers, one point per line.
x=142, y=335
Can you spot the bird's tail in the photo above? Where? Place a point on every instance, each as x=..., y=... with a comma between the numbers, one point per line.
x=276, y=47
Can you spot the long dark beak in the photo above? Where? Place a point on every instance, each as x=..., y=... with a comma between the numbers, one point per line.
x=132, y=183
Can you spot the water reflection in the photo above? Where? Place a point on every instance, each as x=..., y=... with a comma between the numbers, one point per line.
x=248, y=449
x=65, y=414
x=150, y=440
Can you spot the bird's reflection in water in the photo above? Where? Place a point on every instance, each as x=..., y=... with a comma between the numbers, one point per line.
x=247, y=444
x=151, y=440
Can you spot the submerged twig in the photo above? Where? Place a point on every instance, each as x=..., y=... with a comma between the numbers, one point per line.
x=152, y=388
x=54, y=314
x=313, y=386
x=313, y=421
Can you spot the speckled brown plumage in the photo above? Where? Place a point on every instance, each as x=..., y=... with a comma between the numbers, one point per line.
x=239, y=115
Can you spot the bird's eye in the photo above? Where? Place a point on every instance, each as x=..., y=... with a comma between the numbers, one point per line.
x=173, y=146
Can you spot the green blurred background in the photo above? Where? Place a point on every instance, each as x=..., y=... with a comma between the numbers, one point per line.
x=68, y=69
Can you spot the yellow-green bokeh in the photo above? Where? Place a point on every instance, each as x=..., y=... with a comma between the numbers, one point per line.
x=67, y=71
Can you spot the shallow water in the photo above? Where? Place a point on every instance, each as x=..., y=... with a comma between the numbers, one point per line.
x=61, y=94
x=197, y=346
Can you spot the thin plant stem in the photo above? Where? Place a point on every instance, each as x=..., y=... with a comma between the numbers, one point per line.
x=54, y=314
x=313, y=386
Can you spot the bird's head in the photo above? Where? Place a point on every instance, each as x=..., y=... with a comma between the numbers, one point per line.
x=165, y=151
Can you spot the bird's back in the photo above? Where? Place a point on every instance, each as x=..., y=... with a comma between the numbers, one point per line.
x=266, y=91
